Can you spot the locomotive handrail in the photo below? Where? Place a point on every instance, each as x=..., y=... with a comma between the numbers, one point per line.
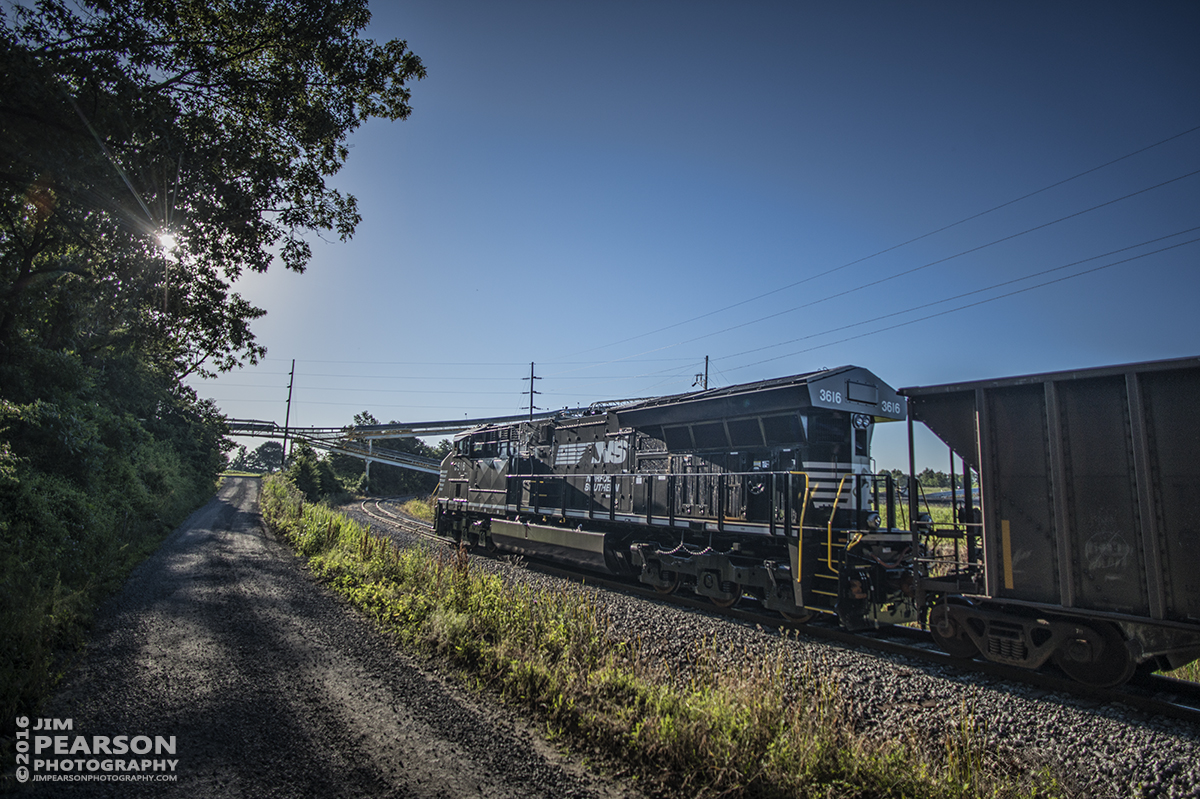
x=797, y=577
x=804, y=504
x=829, y=528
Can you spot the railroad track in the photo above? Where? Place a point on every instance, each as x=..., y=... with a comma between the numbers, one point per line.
x=387, y=511
x=1149, y=693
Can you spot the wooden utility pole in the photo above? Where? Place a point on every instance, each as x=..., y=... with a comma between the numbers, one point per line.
x=287, y=417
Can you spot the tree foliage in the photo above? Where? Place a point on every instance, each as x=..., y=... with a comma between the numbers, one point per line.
x=215, y=122
x=150, y=153
x=266, y=457
x=311, y=473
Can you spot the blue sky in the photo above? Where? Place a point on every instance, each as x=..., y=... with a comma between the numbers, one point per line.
x=616, y=190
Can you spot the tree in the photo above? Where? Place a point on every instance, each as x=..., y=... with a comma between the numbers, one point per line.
x=311, y=473
x=931, y=479
x=151, y=152
x=265, y=457
x=365, y=419
x=387, y=479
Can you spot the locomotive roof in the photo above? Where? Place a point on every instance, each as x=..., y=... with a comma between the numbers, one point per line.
x=852, y=389
x=846, y=388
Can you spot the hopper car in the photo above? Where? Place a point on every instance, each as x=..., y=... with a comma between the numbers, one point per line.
x=765, y=492
x=1084, y=548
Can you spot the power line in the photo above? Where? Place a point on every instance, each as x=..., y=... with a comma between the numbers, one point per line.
x=451, y=363
x=914, y=269
x=343, y=390
x=962, y=307
x=902, y=244
x=1001, y=284
x=462, y=378
x=359, y=405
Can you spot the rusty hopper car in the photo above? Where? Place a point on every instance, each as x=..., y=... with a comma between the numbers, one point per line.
x=1085, y=547
x=763, y=489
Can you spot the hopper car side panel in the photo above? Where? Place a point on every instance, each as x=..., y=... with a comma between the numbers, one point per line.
x=1090, y=494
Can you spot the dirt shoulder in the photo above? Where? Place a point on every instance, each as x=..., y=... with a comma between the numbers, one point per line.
x=272, y=686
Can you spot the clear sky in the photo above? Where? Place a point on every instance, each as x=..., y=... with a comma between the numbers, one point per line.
x=614, y=190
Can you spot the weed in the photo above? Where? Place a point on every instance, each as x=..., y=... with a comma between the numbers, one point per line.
x=770, y=727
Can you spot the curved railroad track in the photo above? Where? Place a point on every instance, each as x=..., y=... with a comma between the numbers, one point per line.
x=1149, y=693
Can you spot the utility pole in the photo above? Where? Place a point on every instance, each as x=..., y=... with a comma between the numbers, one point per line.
x=367, y=469
x=531, y=392
x=287, y=417
x=703, y=377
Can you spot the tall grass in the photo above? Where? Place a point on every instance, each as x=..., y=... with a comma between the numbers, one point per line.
x=419, y=509
x=768, y=728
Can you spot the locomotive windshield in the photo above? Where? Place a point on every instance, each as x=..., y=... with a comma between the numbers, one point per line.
x=828, y=437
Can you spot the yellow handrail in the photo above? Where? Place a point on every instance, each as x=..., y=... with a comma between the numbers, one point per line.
x=829, y=536
x=804, y=504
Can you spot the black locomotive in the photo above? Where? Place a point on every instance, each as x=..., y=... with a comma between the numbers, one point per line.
x=761, y=489
x=765, y=491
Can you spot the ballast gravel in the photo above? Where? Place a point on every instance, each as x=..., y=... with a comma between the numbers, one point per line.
x=1100, y=751
x=271, y=686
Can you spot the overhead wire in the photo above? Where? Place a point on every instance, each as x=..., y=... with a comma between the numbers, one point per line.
x=591, y=364
x=901, y=244
x=964, y=307
x=906, y=272
x=1030, y=276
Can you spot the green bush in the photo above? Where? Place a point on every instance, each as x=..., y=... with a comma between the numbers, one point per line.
x=97, y=464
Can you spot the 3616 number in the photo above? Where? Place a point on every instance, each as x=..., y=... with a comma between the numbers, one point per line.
x=831, y=396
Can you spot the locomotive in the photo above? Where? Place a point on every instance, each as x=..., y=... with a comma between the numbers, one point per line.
x=762, y=489
x=765, y=492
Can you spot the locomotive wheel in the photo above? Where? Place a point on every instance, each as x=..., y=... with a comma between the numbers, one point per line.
x=1095, y=656
x=736, y=592
x=672, y=579
x=801, y=616
x=949, y=635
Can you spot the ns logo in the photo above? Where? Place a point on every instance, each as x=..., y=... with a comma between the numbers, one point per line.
x=613, y=451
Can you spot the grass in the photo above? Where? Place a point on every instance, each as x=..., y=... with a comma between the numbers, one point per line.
x=1191, y=672
x=773, y=728
x=419, y=508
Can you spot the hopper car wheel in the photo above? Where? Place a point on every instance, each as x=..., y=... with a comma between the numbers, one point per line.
x=672, y=579
x=1096, y=656
x=735, y=594
x=949, y=635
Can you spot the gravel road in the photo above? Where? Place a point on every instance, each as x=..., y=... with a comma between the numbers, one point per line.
x=273, y=687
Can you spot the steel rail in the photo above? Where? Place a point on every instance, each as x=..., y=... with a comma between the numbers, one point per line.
x=1153, y=694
